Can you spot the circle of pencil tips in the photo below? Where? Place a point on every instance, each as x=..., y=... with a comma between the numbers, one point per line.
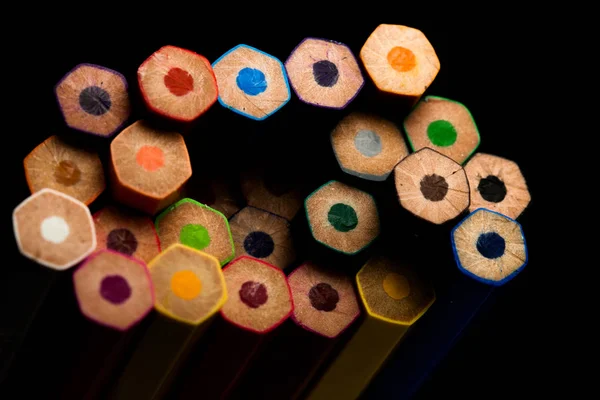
x=400, y=60
x=126, y=232
x=263, y=235
x=177, y=83
x=54, y=229
x=215, y=193
x=368, y=146
x=324, y=301
x=342, y=217
x=393, y=292
x=113, y=289
x=259, y=295
x=324, y=73
x=432, y=186
x=497, y=184
x=489, y=247
x=93, y=99
x=58, y=165
x=188, y=283
x=148, y=167
x=271, y=192
x=444, y=125
x=251, y=82
x=198, y=226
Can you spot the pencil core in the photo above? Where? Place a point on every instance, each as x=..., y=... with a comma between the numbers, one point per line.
x=122, y=240
x=67, y=173
x=115, y=289
x=434, y=187
x=323, y=297
x=253, y=294
x=396, y=286
x=185, y=284
x=401, y=59
x=179, y=82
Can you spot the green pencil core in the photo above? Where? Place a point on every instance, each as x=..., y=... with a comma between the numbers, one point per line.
x=441, y=133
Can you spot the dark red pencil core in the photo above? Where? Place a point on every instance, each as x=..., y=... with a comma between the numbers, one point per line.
x=179, y=82
x=253, y=294
x=115, y=289
x=323, y=297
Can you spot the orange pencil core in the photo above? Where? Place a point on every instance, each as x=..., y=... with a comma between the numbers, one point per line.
x=150, y=158
x=401, y=59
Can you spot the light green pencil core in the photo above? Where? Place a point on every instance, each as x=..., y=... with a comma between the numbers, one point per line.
x=194, y=235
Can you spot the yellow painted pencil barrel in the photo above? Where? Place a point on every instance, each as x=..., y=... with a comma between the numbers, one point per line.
x=190, y=289
x=394, y=298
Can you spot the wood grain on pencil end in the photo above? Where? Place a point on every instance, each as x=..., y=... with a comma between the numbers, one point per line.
x=57, y=164
x=368, y=146
x=177, y=83
x=324, y=301
x=497, y=184
x=113, y=289
x=444, y=125
x=393, y=292
x=189, y=284
x=324, y=73
x=489, y=247
x=400, y=60
x=148, y=167
x=54, y=229
x=432, y=186
x=93, y=99
x=342, y=217
x=263, y=235
x=126, y=231
x=198, y=226
x=259, y=295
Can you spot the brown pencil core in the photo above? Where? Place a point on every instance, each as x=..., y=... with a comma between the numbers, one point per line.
x=323, y=297
x=401, y=59
x=122, y=240
x=67, y=173
x=253, y=294
x=434, y=187
x=179, y=82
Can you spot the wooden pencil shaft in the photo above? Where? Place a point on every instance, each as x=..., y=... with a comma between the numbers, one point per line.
x=359, y=361
x=157, y=358
x=216, y=364
x=284, y=367
x=99, y=356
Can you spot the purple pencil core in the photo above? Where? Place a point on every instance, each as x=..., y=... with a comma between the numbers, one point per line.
x=115, y=289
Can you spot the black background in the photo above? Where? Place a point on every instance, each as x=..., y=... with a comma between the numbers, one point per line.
x=498, y=352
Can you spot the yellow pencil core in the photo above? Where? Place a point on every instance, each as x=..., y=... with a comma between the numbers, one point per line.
x=185, y=284
x=396, y=286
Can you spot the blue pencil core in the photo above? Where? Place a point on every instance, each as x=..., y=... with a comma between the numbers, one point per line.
x=251, y=81
x=491, y=245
